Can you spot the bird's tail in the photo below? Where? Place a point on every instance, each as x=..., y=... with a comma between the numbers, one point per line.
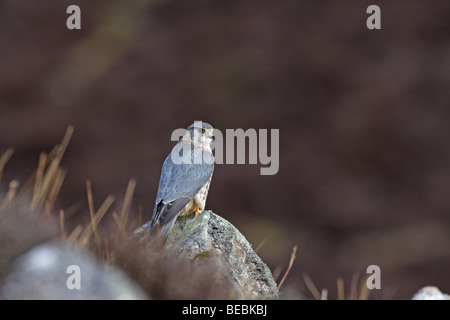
x=161, y=232
x=156, y=233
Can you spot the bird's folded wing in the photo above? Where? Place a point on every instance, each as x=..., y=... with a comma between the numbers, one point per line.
x=178, y=184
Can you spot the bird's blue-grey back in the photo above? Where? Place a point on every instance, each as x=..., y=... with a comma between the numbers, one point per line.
x=180, y=181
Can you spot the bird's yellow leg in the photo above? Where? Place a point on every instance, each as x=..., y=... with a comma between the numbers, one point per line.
x=197, y=211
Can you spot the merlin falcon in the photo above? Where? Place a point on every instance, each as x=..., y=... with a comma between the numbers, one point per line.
x=185, y=178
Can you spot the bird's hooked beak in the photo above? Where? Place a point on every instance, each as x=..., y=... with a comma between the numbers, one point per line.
x=210, y=135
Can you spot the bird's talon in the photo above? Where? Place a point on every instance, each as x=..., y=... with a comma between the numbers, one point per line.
x=197, y=211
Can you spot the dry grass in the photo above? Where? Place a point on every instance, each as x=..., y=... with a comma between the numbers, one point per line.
x=291, y=263
x=25, y=219
x=358, y=288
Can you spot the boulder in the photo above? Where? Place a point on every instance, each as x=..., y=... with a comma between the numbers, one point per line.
x=208, y=236
x=49, y=271
x=430, y=293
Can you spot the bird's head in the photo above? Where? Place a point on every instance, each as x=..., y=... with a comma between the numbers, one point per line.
x=200, y=134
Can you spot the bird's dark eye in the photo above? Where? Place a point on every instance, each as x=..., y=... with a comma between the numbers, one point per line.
x=203, y=130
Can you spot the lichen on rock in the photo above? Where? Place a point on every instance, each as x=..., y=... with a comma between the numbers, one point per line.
x=207, y=236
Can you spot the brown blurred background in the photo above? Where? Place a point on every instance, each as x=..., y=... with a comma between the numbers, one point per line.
x=363, y=117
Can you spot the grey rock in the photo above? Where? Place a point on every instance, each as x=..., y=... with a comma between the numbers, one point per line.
x=209, y=235
x=45, y=272
x=430, y=293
